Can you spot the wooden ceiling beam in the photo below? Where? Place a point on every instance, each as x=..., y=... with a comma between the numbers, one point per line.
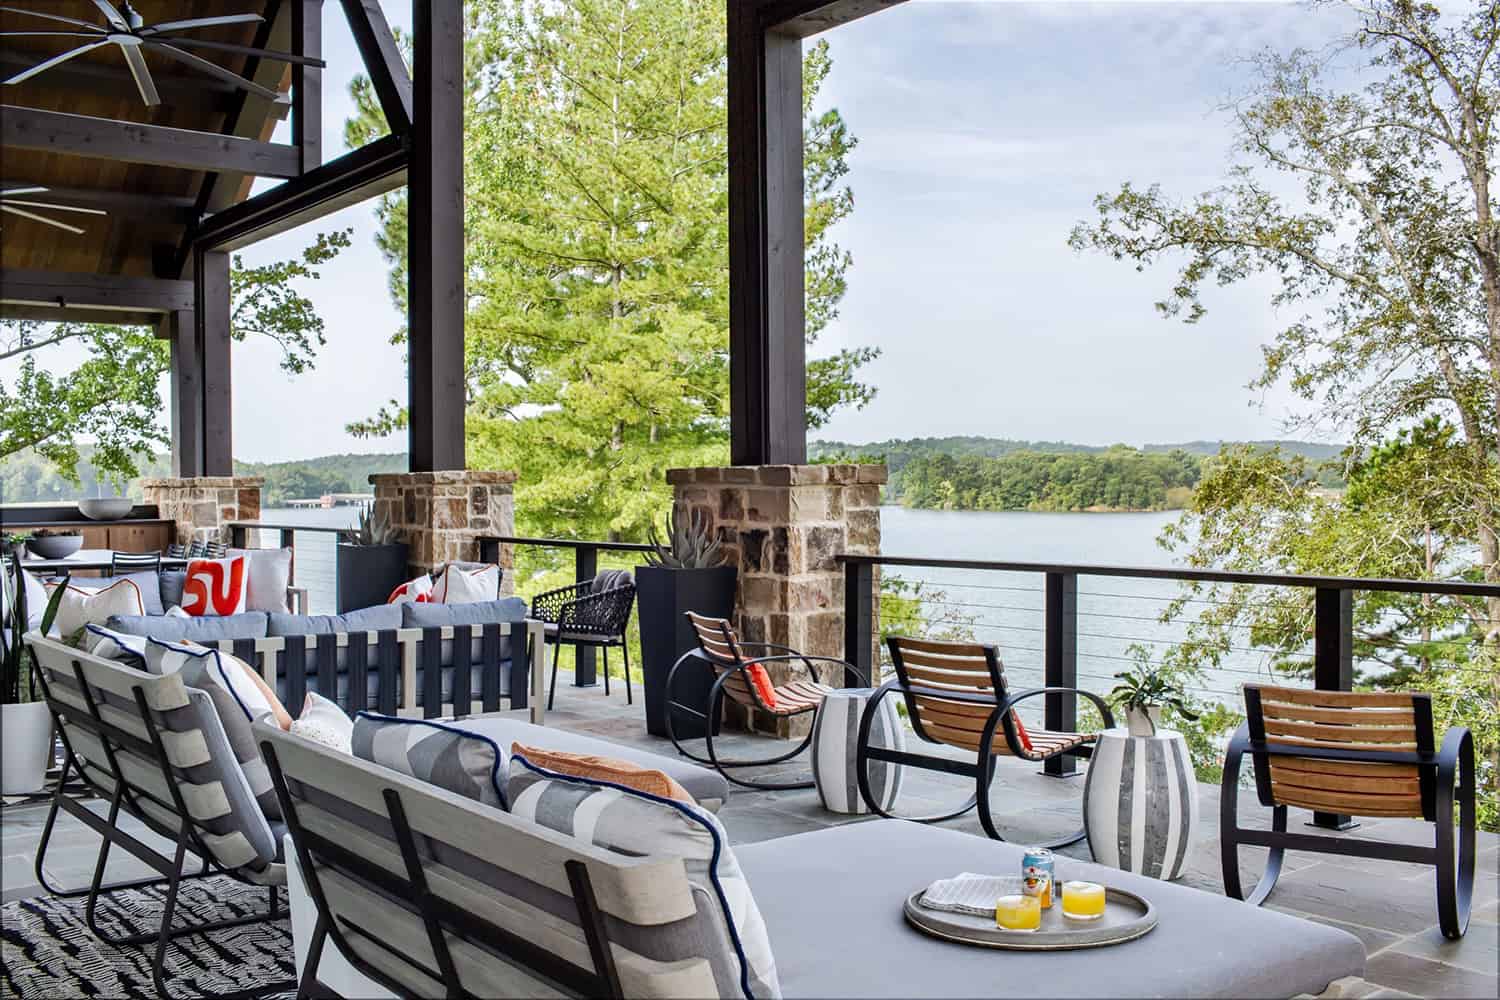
x=200, y=93
x=131, y=142
x=803, y=18
x=65, y=292
x=383, y=61
x=52, y=314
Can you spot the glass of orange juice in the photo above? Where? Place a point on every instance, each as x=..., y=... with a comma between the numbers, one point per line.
x=1015, y=910
x=1083, y=900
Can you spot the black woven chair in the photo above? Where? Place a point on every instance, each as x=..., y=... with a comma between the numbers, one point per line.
x=125, y=563
x=592, y=614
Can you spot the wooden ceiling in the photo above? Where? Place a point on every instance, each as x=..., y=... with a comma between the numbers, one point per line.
x=149, y=207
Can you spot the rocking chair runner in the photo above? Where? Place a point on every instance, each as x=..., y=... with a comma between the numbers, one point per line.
x=956, y=694
x=722, y=650
x=1363, y=753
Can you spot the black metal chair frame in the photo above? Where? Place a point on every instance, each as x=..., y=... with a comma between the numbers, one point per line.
x=134, y=562
x=983, y=768
x=187, y=837
x=440, y=917
x=588, y=619
x=715, y=704
x=1436, y=772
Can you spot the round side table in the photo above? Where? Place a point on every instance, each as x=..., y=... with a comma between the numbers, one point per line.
x=835, y=739
x=1140, y=802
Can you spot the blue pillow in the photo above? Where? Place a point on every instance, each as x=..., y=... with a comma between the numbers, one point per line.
x=416, y=614
x=210, y=628
x=172, y=582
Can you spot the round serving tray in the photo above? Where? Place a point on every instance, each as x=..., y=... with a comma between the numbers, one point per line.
x=1126, y=917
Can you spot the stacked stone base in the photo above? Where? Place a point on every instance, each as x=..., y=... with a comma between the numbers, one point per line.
x=783, y=527
x=442, y=515
x=204, y=506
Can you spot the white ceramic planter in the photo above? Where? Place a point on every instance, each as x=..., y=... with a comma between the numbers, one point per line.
x=1143, y=721
x=25, y=747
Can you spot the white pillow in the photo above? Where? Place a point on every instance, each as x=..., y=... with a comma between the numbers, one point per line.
x=111, y=645
x=465, y=586
x=322, y=721
x=419, y=589
x=36, y=597
x=270, y=574
x=81, y=607
x=175, y=611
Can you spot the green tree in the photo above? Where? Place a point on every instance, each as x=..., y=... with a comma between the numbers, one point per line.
x=596, y=185
x=1388, y=256
x=112, y=398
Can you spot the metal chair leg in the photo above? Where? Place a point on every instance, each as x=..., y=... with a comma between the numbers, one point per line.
x=625, y=652
x=604, y=653
x=552, y=689
x=1455, y=881
x=862, y=771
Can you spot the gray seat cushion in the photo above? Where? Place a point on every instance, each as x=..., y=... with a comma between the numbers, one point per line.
x=373, y=619
x=422, y=615
x=609, y=579
x=209, y=628
x=708, y=787
x=839, y=892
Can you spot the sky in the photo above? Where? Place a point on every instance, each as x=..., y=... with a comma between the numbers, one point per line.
x=985, y=130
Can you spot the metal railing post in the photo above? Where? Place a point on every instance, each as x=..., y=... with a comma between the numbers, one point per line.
x=238, y=535
x=289, y=541
x=585, y=568
x=1061, y=664
x=1333, y=663
x=859, y=618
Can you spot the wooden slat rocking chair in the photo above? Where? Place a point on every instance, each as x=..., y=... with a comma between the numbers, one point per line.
x=956, y=694
x=1360, y=753
x=720, y=647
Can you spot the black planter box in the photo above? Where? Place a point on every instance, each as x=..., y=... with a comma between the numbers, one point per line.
x=368, y=573
x=662, y=595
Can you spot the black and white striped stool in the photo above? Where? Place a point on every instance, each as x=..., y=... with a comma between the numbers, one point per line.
x=835, y=739
x=1140, y=802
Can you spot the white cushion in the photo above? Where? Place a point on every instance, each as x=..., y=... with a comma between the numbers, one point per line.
x=466, y=586
x=419, y=589
x=270, y=574
x=111, y=645
x=36, y=597
x=216, y=586
x=322, y=721
x=81, y=607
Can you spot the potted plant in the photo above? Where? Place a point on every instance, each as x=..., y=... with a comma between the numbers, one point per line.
x=371, y=562
x=25, y=723
x=1142, y=692
x=15, y=542
x=685, y=575
x=46, y=543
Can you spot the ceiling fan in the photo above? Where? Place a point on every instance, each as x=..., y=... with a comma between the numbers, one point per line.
x=9, y=203
x=127, y=30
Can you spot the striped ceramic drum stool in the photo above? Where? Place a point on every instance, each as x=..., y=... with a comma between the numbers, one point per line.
x=835, y=738
x=1140, y=802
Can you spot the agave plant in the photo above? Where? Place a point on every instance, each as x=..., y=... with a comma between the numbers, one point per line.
x=15, y=679
x=373, y=529
x=692, y=545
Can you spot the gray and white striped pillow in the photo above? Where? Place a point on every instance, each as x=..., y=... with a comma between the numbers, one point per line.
x=463, y=762
x=638, y=824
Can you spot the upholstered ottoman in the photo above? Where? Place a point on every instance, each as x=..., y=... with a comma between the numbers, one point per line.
x=835, y=739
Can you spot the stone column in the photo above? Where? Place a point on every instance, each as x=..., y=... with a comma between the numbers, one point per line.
x=782, y=526
x=442, y=515
x=203, y=506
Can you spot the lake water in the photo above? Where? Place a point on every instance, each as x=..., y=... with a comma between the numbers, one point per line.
x=1000, y=608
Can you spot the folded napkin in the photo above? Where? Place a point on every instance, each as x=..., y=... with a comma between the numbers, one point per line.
x=966, y=893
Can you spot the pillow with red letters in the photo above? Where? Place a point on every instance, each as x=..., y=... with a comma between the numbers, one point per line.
x=419, y=590
x=216, y=587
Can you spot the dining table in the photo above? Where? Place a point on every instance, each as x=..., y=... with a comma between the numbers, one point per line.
x=88, y=559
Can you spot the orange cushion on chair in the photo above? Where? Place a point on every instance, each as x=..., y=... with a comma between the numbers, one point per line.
x=1021, y=733
x=761, y=681
x=596, y=768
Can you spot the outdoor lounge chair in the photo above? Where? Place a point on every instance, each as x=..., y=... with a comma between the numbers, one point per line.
x=721, y=650
x=1361, y=753
x=955, y=694
x=154, y=748
x=594, y=613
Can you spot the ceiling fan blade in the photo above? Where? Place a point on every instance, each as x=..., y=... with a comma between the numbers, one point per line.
x=40, y=218
x=244, y=50
x=114, y=17
x=143, y=81
x=52, y=17
x=25, y=190
x=27, y=74
x=56, y=208
x=173, y=52
x=201, y=22
x=49, y=34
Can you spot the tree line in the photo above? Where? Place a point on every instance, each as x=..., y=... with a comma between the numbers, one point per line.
x=1117, y=479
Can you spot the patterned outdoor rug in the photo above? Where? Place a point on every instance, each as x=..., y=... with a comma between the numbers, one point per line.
x=48, y=950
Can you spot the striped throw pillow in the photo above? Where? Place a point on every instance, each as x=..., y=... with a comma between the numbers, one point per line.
x=463, y=762
x=637, y=824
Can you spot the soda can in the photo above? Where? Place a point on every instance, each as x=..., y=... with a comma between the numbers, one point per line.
x=1037, y=875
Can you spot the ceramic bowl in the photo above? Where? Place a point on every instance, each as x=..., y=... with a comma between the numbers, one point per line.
x=105, y=508
x=55, y=546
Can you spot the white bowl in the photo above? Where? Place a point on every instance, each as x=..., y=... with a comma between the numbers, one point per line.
x=105, y=508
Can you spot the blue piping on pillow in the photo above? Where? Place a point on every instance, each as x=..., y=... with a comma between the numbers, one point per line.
x=219, y=663
x=494, y=769
x=136, y=660
x=691, y=813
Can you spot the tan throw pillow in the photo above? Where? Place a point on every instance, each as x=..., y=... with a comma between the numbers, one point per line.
x=595, y=768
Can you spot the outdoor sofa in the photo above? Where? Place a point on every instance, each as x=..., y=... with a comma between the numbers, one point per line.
x=566, y=914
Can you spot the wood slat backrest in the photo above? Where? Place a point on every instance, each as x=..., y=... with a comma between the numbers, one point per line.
x=720, y=645
x=499, y=871
x=1357, y=721
x=962, y=668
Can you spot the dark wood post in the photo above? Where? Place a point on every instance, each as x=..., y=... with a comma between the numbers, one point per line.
x=859, y=618
x=767, y=349
x=186, y=394
x=1061, y=663
x=435, y=254
x=307, y=82
x=1333, y=663
x=585, y=567
x=211, y=318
